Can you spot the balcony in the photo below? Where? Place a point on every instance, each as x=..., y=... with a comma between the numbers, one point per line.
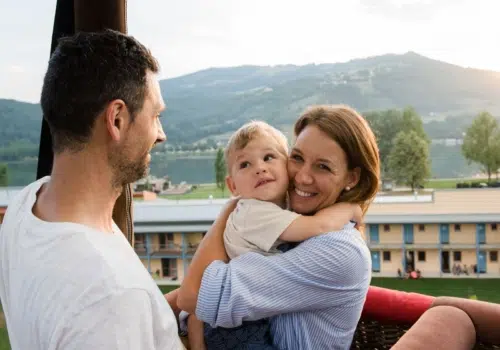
x=191, y=248
x=170, y=249
x=140, y=248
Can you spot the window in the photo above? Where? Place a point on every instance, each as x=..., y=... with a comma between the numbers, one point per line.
x=493, y=256
x=421, y=227
x=169, y=267
x=387, y=228
x=457, y=256
x=387, y=256
x=458, y=227
x=421, y=256
x=494, y=227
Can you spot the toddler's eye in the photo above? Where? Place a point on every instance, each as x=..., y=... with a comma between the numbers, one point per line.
x=244, y=165
x=268, y=157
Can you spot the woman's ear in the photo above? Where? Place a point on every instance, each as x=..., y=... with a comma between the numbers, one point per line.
x=353, y=177
x=230, y=185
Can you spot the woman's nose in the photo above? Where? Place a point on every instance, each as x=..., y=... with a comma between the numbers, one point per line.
x=303, y=176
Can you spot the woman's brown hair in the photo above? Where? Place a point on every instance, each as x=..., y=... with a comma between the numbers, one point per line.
x=353, y=134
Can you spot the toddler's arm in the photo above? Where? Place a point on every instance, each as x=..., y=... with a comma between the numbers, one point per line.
x=333, y=218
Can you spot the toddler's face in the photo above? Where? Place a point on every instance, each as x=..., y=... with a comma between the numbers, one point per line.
x=259, y=171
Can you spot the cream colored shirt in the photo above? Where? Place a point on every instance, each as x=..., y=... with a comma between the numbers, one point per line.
x=255, y=226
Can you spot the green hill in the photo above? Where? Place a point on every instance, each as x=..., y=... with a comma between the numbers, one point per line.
x=215, y=101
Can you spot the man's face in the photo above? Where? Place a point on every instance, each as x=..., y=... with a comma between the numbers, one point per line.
x=132, y=158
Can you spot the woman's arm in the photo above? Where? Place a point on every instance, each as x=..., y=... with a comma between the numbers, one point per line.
x=326, y=271
x=210, y=249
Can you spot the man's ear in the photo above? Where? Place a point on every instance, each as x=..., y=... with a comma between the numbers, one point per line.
x=230, y=185
x=117, y=119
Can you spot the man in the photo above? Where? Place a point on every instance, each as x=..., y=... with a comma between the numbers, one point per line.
x=68, y=277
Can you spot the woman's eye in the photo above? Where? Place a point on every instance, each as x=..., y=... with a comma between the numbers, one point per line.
x=324, y=167
x=296, y=157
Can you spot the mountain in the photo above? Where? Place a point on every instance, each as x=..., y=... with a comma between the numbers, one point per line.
x=218, y=100
x=215, y=101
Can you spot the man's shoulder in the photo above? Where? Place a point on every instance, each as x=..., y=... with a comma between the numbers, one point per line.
x=21, y=199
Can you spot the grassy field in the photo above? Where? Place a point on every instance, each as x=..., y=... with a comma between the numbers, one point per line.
x=449, y=183
x=4, y=339
x=204, y=191
x=484, y=289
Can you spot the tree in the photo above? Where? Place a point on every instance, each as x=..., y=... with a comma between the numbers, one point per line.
x=482, y=143
x=385, y=125
x=413, y=121
x=4, y=175
x=409, y=159
x=220, y=170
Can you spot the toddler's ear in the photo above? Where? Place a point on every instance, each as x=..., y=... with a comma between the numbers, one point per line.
x=230, y=185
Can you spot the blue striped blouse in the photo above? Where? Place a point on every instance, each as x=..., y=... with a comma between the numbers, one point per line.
x=313, y=294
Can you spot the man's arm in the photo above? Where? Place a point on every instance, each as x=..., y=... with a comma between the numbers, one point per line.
x=210, y=249
x=123, y=320
x=326, y=271
x=330, y=219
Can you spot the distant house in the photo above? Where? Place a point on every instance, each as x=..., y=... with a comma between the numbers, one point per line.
x=388, y=184
x=153, y=184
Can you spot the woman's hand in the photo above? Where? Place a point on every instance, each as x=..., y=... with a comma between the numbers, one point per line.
x=171, y=298
x=210, y=249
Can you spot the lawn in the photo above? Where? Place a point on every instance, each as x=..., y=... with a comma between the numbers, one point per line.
x=484, y=289
x=202, y=192
x=4, y=339
x=449, y=183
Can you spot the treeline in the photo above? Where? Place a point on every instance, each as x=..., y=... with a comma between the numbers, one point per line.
x=404, y=145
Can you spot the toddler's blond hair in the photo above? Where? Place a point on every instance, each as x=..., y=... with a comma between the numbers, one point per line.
x=250, y=131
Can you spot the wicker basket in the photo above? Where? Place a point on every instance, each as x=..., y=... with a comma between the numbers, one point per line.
x=379, y=335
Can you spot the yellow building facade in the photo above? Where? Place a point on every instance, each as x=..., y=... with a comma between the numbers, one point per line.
x=434, y=233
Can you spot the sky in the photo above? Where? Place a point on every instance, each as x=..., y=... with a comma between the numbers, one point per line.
x=191, y=35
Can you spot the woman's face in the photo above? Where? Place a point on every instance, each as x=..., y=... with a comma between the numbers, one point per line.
x=318, y=171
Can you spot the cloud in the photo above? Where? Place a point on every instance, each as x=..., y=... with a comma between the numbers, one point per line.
x=15, y=69
x=408, y=10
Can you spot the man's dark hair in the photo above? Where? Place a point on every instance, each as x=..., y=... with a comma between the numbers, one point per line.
x=85, y=73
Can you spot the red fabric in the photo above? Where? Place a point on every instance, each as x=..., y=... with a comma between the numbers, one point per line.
x=392, y=305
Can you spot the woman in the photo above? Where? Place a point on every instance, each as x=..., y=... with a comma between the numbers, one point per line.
x=314, y=293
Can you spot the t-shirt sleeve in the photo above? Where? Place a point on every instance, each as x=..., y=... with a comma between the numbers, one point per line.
x=263, y=223
x=123, y=320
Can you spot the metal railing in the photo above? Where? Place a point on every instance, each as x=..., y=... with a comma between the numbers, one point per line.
x=169, y=248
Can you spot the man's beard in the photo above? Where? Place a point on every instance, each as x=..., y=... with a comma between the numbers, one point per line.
x=126, y=170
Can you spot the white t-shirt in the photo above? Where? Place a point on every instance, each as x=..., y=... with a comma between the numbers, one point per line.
x=255, y=226
x=68, y=286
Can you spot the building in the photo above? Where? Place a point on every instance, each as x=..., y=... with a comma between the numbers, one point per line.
x=430, y=233
x=455, y=227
